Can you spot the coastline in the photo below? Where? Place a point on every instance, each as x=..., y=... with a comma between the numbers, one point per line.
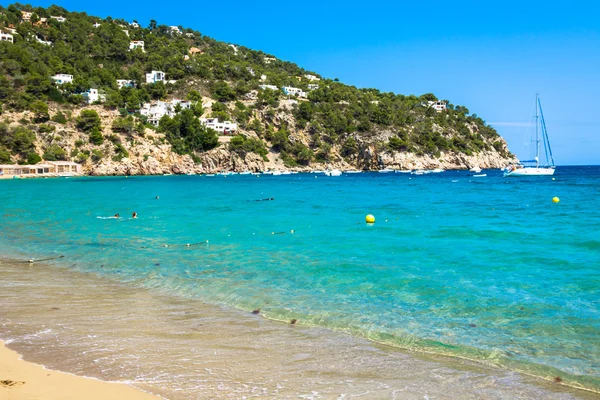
x=21, y=380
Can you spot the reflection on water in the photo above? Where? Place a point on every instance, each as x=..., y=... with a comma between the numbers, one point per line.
x=185, y=349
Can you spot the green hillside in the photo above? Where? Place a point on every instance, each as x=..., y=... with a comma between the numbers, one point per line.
x=335, y=119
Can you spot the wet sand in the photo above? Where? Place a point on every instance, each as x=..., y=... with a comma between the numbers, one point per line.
x=182, y=348
x=21, y=380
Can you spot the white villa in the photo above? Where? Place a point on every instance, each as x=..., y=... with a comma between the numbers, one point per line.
x=272, y=87
x=62, y=78
x=134, y=25
x=137, y=44
x=226, y=127
x=92, y=96
x=59, y=19
x=292, y=91
x=121, y=83
x=155, y=111
x=97, y=25
x=42, y=41
x=49, y=168
x=438, y=106
x=312, y=77
x=313, y=86
x=155, y=76
x=6, y=37
x=175, y=30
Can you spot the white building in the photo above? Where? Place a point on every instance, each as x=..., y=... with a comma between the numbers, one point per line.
x=46, y=42
x=272, y=87
x=155, y=111
x=134, y=25
x=97, y=25
x=292, y=91
x=175, y=30
x=155, y=76
x=268, y=60
x=226, y=127
x=59, y=19
x=438, y=106
x=121, y=83
x=92, y=96
x=6, y=37
x=62, y=78
x=313, y=86
x=137, y=44
x=312, y=77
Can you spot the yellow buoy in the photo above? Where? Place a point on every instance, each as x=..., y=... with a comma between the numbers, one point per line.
x=555, y=199
x=370, y=219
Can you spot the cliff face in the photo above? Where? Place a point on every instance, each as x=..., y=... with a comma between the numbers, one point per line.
x=151, y=154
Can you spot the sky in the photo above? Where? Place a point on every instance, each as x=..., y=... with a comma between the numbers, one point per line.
x=492, y=58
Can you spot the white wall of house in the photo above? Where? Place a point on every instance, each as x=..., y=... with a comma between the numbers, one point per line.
x=438, y=106
x=225, y=127
x=272, y=87
x=92, y=96
x=292, y=91
x=312, y=77
x=59, y=19
x=62, y=78
x=155, y=76
x=313, y=86
x=6, y=37
x=121, y=83
x=46, y=42
x=137, y=44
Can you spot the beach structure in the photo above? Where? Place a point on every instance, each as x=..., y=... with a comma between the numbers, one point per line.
x=226, y=127
x=121, y=83
x=292, y=91
x=92, y=96
x=155, y=76
x=48, y=168
x=6, y=37
x=137, y=44
x=62, y=78
x=272, y=87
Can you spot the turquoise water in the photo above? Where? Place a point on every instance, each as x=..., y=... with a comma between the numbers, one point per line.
x=482, y=268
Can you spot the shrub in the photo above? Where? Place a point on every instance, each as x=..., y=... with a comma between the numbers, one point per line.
x=96, y=137
x=55, y=153
x=88, y=120
x=33, y=158
x=60, y=118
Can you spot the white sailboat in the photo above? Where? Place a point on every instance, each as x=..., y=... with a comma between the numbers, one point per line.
x=534, y=167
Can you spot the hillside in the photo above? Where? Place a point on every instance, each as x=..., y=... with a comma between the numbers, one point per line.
x=121, y=98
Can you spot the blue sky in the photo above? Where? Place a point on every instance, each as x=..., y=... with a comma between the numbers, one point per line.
x=492, y=58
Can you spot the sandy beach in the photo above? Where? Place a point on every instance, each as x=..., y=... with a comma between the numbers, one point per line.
x=22, y=380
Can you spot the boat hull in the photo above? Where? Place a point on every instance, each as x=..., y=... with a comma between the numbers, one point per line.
x=530, y=172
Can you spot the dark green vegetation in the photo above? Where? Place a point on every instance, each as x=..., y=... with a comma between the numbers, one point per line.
x=335, y=119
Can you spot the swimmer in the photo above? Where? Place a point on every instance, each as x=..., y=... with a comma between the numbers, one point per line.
x=134, y=215
x=117, y=215
x=157, y=197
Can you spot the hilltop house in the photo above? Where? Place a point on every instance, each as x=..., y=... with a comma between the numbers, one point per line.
x=134, y=25
x=175, y=30
x=62, y=78
x=226, y=127
x=292, y=91
x=97, y=25
x=6, y=37
x=272, y=87
x=121, y=83
x=92, y=96
x=311, y=77
x=155, y=76
x=26, y=16
x=268, y=60
x=438, y=106
x=137, y=44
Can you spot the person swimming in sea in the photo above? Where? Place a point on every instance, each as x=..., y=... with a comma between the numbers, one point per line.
x=117, y=215
x=134, y=215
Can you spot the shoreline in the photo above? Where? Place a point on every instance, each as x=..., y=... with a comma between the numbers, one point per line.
x=20, y=380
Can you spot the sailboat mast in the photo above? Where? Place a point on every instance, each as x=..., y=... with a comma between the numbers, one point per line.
x=537, y=139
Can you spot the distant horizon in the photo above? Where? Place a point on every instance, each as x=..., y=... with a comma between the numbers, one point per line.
x=490, y=60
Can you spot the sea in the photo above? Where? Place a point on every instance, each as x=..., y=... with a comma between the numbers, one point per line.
x=262, y=286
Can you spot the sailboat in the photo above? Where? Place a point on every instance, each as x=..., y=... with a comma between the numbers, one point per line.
x=534, y=167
